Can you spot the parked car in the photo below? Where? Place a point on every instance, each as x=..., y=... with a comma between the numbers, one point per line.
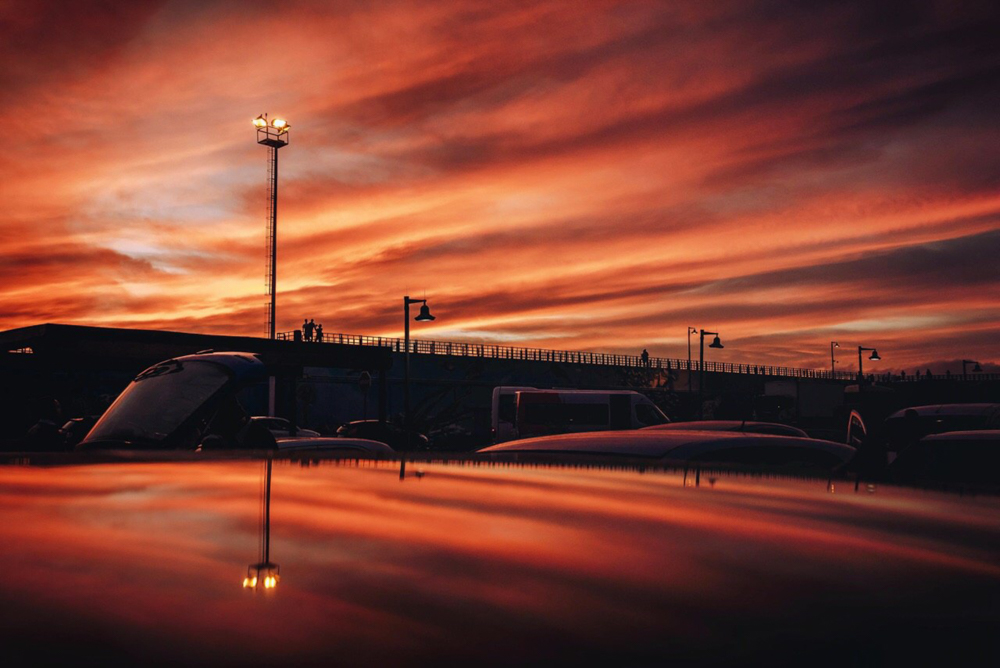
x=684, y=447
x=951, y=458
x=331, y=444
x=907, y=426
x=385, y=432
x=281, y=427
x=743, y=426
x=189, y=403
x=75, y=429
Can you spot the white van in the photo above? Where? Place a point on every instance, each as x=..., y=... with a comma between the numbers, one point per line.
x=544, y=412
x=505, y=412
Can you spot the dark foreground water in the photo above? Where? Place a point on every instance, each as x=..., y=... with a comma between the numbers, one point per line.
x=145, y=563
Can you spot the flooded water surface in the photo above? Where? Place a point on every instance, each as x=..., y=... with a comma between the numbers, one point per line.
x=155, y=563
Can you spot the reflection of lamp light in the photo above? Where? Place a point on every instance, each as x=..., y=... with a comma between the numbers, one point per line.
x=264, y=572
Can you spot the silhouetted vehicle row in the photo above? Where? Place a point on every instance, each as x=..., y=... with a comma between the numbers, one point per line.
x=939, y=444
x=190, y=403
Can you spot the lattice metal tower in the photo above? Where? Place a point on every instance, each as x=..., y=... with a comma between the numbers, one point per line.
x=274, y=135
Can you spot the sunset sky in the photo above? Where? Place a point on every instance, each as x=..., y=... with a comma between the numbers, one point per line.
x=568, y=175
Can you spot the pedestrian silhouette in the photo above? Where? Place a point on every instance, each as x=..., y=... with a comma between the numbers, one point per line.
x=319, y=333
x=308, y=328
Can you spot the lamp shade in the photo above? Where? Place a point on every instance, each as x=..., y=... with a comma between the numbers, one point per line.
x=425, y=314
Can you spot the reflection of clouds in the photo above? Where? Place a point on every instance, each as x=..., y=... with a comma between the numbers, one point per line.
x=542, y=151
x=573, y=559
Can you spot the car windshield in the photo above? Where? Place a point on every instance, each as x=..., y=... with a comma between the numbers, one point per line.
x=140, y=414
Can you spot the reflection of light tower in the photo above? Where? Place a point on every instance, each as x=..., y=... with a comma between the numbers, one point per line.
x=274, y=135
x=264, y=573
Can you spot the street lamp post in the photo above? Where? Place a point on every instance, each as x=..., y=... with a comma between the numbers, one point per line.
x=274, y=135
x=833, y=362
x=975, y=369
x=423, y=316
x=701, y=369
x=691, y=330
x=873, y=357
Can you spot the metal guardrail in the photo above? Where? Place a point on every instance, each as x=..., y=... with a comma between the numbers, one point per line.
x=493, y=351
x=919, y=378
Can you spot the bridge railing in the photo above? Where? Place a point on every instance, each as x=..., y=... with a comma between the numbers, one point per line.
x=495, y=351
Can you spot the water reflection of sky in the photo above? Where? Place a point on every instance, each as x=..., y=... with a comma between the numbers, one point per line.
x=492, y=564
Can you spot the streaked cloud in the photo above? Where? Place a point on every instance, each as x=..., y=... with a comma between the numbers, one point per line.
x=595, y=176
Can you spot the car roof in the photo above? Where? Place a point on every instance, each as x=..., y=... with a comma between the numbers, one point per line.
x=948, y=410
x=662, y=444
x=565, y=391
x=329, y=443
x=718, y=425
x=244, y=366
x=971, y=435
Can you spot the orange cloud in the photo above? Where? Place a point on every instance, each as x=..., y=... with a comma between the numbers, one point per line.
x=595, y=177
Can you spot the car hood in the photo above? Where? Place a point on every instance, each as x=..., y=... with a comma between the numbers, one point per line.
x=660, y=444
x=470, y=563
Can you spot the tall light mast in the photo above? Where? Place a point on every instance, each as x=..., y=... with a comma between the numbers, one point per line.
x=274, y=135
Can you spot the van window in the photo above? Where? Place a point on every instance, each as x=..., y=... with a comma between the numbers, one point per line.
x=566, y=415
x=507, y=408
x=649, y=415
x=621, y=411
